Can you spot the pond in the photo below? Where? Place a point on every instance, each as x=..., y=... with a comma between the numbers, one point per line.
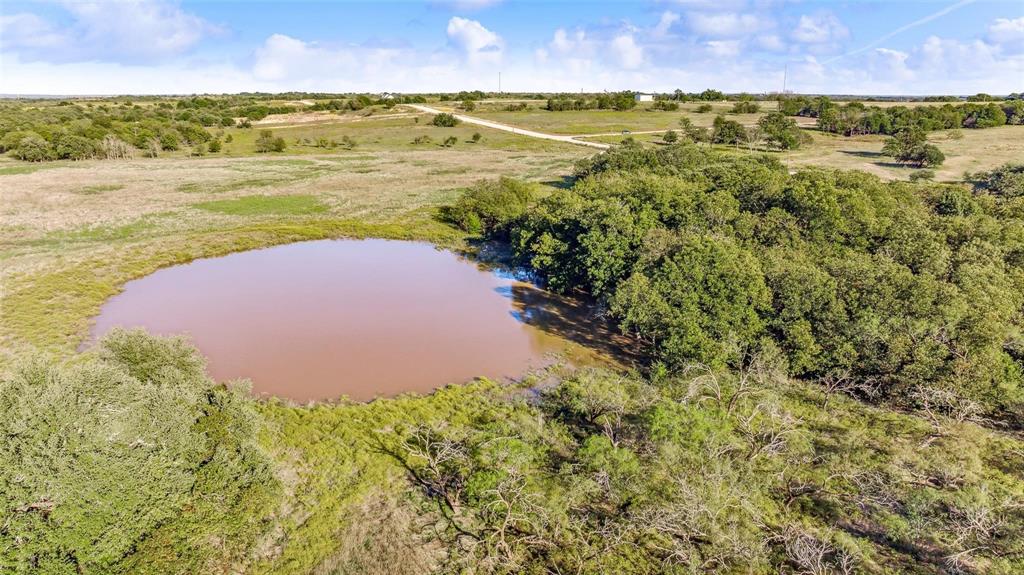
x=361, y=318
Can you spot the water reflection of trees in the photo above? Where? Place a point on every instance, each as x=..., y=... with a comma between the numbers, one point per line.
x=570, y=318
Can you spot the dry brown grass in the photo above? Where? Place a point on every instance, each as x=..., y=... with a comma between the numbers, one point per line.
x=975, y=150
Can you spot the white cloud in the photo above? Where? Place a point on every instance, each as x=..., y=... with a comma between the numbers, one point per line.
x=771, y=42
x=1007, y=33
x=26, y=30
x=890, y=64
x=1006, y=30
x=822, y=28
x=626, y=51
x=477, y=44
x=575, y=44
x=723, y=48
x=125, y=30
x=724, y=24
x=665, y=23
x=605, y=57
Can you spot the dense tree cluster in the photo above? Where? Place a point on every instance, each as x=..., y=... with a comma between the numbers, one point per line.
x=907, y=293
x=607, y=101
x=856, y=118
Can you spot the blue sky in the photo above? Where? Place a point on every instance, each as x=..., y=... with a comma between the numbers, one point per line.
x=163, y=46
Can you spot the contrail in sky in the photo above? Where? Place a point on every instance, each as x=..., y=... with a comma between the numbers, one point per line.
x=903, y=29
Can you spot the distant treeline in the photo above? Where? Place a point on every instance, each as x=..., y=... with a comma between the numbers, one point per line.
x=117, y=128
x=856, y=118
x=609, y=101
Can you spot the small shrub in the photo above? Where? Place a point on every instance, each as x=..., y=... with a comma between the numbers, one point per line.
x=152, y=148
x=704, y=108
x=347, y=142
x=169, y=141
x=445, y=120
x=745, y=107
x=665, y=105
x=228, y=139
x=450, y=141
x=670, y=137
x=422, y=140
x=268, y=143
x=468, y=105
x=922, y=175
x=476, y=137
x=198, y=150
x=214, y=146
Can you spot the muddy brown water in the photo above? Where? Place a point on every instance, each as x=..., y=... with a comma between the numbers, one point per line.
x=359, y=318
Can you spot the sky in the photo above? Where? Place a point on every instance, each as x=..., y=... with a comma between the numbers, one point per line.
x=70, y=47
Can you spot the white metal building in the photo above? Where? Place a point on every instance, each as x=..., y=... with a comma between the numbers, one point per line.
x=644, y=97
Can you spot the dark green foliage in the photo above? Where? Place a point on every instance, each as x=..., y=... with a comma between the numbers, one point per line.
x=711, y=95
x=855, y=118
x=696, y=293
x=704, y=108
x=670, y=137
x=607, y=101
x=450, y=141
x=727, y=132
x=781, y=132
x=910, y=293
x=445, y=120
x=910, y=147
x=665, y=105
x=133, y=450
x=490, y=207
x=746, y=107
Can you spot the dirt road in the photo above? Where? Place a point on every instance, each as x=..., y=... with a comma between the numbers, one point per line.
x=513, y=129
